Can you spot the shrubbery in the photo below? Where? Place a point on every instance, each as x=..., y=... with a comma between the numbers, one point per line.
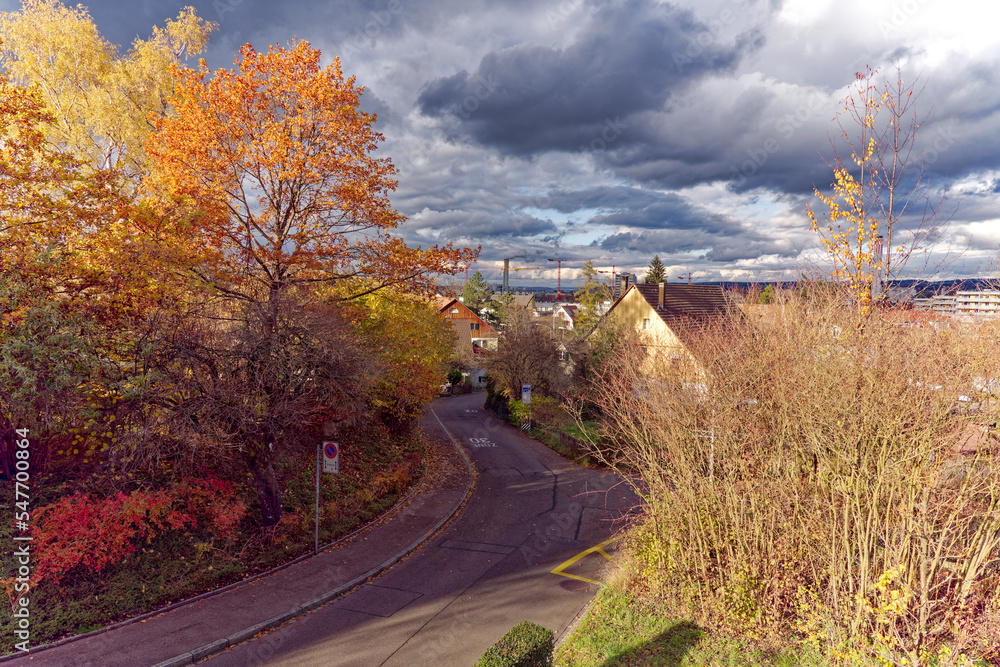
x=524, y=645
x=93, y=532
x=810, y=480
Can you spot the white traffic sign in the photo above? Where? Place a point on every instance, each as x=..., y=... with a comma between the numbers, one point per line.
x=526, y=394
x=331, y=456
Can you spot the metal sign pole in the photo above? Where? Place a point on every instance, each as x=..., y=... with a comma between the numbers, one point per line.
x=319, y=454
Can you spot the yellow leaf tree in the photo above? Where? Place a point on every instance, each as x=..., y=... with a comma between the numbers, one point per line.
x=883, y=208
x=414, y=343
x=70, y=275
x=100, y=100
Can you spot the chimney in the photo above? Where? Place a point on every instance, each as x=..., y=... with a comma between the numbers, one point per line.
x=661, y=295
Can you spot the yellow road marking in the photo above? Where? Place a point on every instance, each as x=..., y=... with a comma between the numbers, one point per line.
x=595, y=549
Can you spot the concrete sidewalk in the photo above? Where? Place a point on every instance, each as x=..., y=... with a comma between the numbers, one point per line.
x=189, y=631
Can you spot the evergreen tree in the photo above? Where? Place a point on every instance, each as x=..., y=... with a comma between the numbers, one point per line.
x=497, y=308
x=590, y=296
x=657, y=273
x=476, y=292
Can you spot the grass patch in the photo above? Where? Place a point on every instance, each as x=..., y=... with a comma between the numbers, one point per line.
x=622, y=630
x=584, y=431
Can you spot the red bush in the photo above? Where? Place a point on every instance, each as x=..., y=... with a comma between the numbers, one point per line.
x=82, y=531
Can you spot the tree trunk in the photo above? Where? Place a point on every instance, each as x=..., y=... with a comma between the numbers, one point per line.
x=266, y=485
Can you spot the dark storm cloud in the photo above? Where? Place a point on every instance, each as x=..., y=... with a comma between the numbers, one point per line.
x=632, y=57
x=717, y=248
x=669, y=211
x=777, y=137
x=452, y=224
x=748, y=134
x=635, y=208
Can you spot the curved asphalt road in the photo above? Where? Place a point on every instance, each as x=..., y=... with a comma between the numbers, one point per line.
x=531, y=511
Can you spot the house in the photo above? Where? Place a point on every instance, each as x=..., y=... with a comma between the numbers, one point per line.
x=524, y=301
x=566, y=315
x=667, y=316
x=472, y=333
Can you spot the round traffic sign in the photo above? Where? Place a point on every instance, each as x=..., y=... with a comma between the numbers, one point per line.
x=330, y=450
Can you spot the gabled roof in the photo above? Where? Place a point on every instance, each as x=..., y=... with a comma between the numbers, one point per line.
x=699, y=302
x=522, y=300
x=442, y=302
x=464, y=314
x=686, y=307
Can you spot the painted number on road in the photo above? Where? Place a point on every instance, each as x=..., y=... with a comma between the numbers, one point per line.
x=482, y=442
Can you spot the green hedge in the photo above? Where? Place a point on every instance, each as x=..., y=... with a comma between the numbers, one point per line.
x=524, y=645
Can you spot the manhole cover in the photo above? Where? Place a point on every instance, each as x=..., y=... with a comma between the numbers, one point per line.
x=575, y=585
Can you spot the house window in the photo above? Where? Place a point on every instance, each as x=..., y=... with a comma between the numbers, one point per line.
x=645, y=323
x=454, y=311
x=474, y=326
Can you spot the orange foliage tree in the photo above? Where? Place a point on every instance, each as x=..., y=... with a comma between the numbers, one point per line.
x=273, y=164
x=278, y=159
x=73, y=276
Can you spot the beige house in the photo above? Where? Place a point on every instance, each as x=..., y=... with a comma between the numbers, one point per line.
x=667, y=316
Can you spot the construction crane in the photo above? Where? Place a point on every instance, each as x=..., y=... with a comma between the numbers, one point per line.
x=515, y=270
x=611, y=289
x=527, y=268
x=560, y=260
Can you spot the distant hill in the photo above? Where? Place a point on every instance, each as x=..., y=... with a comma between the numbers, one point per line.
x=918, y=287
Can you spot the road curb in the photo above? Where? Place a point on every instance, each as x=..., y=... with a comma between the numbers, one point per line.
x=240, y=636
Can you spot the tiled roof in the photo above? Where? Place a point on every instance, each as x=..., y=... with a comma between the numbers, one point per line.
x=441, y=302
x=523, y=300
x=688, y=308
x=699, y=302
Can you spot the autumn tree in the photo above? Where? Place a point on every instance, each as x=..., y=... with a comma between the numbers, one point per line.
x=69, y=275
x=273, y=163
x=81, y=264
x=100, y=100
x=882, y=209
x=413, y=345
x=657, y=273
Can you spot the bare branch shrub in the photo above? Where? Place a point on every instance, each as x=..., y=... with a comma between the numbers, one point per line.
x=826, y=480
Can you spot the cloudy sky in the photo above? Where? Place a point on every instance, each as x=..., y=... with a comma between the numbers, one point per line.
x=616, y=130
